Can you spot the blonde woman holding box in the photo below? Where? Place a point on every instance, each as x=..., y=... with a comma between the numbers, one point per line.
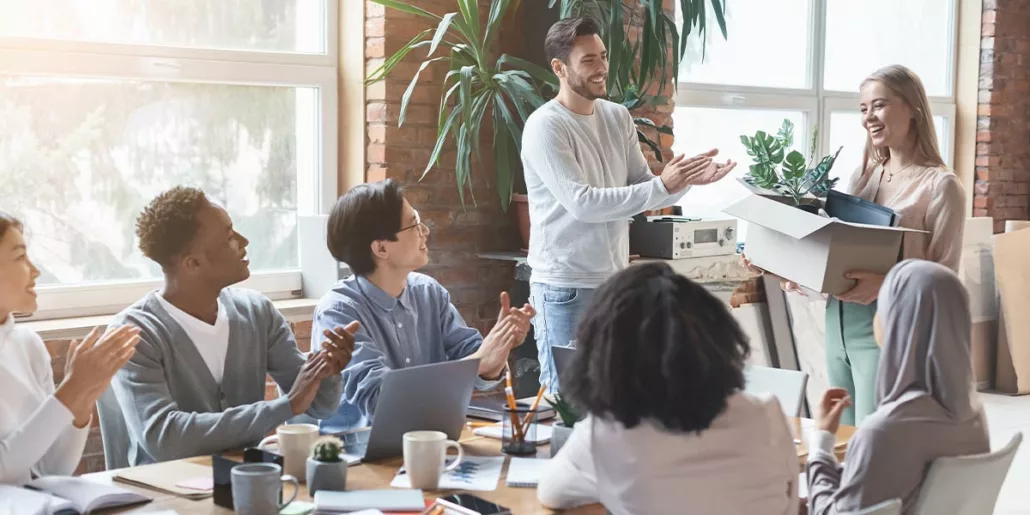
x=902, y=170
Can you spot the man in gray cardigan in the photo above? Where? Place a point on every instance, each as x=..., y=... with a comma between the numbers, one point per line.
x=196, y=384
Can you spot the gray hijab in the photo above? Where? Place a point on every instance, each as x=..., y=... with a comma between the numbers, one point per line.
x=925, y=370
x=927, y=406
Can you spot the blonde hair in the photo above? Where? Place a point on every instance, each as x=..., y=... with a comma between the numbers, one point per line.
x=904, y=83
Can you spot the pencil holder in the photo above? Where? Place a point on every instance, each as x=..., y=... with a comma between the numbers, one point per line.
x=518, y=431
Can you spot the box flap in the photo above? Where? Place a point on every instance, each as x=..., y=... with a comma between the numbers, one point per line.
x=777, y=216
x=790, y=220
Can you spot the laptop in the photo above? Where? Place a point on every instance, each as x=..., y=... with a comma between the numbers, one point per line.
x=562, y=362
x=423, y=398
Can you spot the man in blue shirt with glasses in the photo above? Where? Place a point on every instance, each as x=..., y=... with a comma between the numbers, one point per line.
x=406, y=318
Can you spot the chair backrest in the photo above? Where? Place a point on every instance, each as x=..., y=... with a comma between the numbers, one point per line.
x=888, y=507
x=113, y=431
x=788, y=386
x=965, y=485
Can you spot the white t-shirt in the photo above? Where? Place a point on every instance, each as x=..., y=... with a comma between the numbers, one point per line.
x=211, y=341
x=745, y=462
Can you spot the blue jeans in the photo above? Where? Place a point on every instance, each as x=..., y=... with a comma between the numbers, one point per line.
x=558, y=311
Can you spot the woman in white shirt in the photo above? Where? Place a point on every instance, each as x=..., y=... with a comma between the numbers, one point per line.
x=42, y=429
x=658, y=370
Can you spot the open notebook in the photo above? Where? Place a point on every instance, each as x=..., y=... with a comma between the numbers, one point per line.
x=65, y=495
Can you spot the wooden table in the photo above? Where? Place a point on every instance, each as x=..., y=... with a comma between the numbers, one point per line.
x=368, y=476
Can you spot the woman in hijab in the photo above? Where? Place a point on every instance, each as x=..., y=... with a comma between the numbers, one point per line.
x=926, y=403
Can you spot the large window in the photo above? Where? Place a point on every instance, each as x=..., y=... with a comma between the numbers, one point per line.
x=803, y=60
x=104, y=104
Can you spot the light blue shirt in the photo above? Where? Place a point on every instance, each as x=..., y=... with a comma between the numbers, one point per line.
x=418, y=328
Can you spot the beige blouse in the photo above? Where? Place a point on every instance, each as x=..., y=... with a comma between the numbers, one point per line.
x=927, y=199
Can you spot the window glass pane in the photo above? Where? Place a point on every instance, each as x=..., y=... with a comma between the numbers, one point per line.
x=866, y=35
x=82, y=157
x=268, y=25
x=699, y=129
x=767, y=45
x=846, y=130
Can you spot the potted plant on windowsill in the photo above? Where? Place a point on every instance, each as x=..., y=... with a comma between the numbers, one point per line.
x=782, y=172
x=326, y=469
x=562, y=428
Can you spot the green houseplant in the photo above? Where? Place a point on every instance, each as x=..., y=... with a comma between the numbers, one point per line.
x=508, y=89
x=562, y=429
x=778, y=168
x=326, y=468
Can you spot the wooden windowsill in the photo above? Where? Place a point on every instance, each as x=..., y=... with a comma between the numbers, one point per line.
x=295, y=310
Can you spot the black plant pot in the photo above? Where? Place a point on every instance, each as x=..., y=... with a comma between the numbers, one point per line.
x=809, y=208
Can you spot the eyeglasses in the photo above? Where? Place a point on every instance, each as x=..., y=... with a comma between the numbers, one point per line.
x=418, y=223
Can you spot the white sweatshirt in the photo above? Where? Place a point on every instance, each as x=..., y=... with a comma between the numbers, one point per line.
x=745, y=462
x=585, y=177
x=36, y=432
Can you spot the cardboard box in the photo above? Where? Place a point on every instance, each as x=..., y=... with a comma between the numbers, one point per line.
x=977, y=274
x=813, y=251
x=1012, y=271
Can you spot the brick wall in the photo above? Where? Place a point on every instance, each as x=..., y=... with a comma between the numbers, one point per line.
x=93, y=455
x=401, y=153
x=1002, y=187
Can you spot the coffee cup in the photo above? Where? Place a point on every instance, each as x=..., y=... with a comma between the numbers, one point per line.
x=256, y=488
x=294, y=441
x=424, y=457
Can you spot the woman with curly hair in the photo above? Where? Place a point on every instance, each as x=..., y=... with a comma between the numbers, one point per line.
x=659, y=372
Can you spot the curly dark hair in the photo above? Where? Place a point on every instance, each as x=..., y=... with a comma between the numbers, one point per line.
x=367, y=213
x=167, y=226
x=656, y=345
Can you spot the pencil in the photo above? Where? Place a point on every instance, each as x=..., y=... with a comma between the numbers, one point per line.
x=532, y=411
x=510, y=394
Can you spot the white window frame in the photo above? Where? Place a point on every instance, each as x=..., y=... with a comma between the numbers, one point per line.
x=316, y=194
x=705, y=95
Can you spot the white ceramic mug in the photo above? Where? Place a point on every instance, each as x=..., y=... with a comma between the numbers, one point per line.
x=294, y=441
x=424, y=456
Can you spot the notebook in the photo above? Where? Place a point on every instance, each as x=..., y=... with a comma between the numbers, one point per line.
x=385, y=500
x=56, y=494
x=525, y=472
x=167, y=477
x=541, y=433
x=491, y=407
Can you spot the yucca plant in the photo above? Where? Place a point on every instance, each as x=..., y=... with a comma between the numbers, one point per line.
x=637, y=66
x=478, y=83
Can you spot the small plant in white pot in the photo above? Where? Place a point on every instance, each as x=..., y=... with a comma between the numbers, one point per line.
x=562, y=429
x=326, y=469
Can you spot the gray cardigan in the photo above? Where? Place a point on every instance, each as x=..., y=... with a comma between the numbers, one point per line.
x=165, y=405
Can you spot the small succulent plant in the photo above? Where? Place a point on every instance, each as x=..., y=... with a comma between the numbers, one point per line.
x=568, y=414
x=327, y=449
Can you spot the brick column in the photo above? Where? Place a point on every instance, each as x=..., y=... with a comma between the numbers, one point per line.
x=401, y=153
x=1002, y=188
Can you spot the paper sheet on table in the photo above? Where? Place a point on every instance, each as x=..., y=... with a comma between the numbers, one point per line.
x=477, y=473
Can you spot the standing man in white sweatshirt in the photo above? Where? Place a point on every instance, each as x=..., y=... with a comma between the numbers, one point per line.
x=586, y=177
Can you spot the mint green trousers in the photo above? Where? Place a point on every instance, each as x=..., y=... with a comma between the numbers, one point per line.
x=852, y=355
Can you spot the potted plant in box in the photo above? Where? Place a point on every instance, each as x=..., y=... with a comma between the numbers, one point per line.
x=787, y=172
x=326, y=469
x=561, y=429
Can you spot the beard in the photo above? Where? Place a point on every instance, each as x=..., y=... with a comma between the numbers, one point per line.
x=583, y=87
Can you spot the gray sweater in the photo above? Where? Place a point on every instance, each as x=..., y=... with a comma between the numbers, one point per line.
x=586, y=177
x=165, y=405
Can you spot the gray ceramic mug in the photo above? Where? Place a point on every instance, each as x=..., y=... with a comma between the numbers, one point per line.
x=256, y=487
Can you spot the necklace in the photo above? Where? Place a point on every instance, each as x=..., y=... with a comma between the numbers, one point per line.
x=890, y=174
